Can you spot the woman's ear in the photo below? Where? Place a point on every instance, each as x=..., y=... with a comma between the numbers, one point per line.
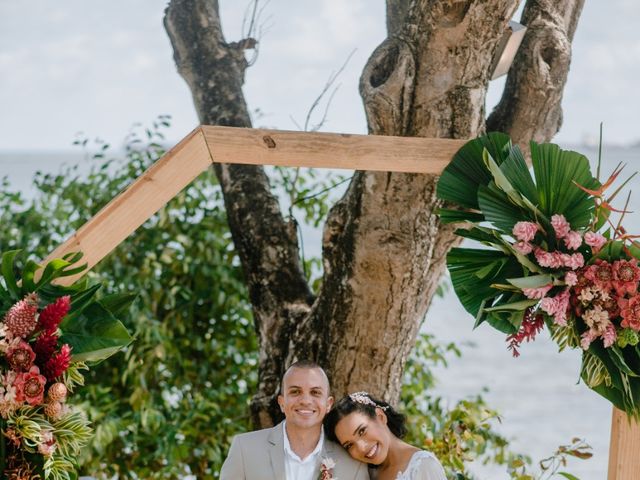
x=380, y=415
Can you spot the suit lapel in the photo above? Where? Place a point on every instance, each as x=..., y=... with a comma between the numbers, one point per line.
x=276, y=451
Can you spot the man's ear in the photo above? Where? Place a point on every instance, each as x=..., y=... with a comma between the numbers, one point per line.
x=330, y=401
x=281, y=403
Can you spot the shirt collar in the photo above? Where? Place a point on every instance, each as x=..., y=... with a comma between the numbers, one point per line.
x=292, y=454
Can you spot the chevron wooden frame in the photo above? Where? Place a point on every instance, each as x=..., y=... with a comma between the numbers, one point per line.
x=208, y=144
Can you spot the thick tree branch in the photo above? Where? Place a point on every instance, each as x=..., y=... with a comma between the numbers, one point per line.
x=530, y=107
x=266, y=244
x=384, y=249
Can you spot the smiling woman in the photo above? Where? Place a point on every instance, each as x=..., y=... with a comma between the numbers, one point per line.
x=371, y=431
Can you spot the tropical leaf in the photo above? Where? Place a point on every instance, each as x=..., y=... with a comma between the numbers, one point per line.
x=460, y=180
x=8, y=261
x=456, y=216
x=498, y=209
x=532, y=281
x=557, y=172
x=95, y=334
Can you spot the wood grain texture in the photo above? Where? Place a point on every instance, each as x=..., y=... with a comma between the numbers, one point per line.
x=139, y=201
x=330, y=150
x=624, y=461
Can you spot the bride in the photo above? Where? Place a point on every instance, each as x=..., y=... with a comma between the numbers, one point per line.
x=371, y=431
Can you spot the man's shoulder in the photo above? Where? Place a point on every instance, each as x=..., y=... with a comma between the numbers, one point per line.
x=257, y=436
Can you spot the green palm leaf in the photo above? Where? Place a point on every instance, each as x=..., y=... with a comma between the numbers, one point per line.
x=557, y=171
x=460, y=180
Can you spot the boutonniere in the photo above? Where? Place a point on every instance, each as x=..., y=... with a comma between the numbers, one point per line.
x=326, y=469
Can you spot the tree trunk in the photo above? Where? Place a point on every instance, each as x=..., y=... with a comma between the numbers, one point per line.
x=383, y=247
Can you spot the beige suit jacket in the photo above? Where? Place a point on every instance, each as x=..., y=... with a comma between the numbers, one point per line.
x=260, y=456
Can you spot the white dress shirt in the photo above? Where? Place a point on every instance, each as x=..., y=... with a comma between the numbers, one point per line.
x=297, y=469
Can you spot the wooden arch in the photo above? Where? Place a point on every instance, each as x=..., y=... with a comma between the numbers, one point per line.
x=207, y=145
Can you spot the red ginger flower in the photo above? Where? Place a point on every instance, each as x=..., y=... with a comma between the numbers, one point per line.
x=52, y=314
x=30, y=386
x=21, y=317
x=21, y=357
x=58, y=363
x=45, y=346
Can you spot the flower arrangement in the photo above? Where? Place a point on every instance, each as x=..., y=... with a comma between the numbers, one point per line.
x=555, y=257
x=326, y=469
x=48, y=335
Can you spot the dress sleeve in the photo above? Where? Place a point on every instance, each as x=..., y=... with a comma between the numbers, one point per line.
x=429, y=469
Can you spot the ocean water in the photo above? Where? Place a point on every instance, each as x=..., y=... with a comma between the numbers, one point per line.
x=539, y=396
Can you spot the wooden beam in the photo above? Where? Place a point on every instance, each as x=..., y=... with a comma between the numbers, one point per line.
x=624, y=461
x=330, y=150
x=137, y=203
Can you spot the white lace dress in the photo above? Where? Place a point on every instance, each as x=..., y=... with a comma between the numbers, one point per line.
x=423, y=466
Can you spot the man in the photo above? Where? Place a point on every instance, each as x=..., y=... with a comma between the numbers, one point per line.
x=296, y=448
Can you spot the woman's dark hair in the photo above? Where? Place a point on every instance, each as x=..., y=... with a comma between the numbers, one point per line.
x=363, y=403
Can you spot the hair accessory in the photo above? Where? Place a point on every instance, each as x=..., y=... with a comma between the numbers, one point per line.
x=364, y=399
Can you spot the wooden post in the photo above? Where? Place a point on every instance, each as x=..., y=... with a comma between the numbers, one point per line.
x=624, y=448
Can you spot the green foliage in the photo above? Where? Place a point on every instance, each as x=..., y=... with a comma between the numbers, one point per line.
x=192, y=367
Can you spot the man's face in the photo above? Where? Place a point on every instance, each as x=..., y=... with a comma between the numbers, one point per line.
x=305, y=397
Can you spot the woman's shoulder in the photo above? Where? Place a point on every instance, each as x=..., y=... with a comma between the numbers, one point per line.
x=423, y=466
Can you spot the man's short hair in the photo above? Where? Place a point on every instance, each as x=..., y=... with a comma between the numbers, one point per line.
x=304, y=365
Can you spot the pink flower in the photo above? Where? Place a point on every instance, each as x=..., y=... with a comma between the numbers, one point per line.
x=538, y=292
x=557, y=307
x=595, y=240
x=47, y=445
x=571, y=279
x=573, y=240
x=609, y=336
x=549, y=259
x=626, y=276
x=30, y=386
x=525, y=248
x=573, y=261
x=525, y=231
x=560, y=225
x=630, y=312
x=21, y=357
x=586, y=339
x=600, y=273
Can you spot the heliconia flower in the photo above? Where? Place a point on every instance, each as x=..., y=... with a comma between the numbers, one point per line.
x=525, y=231
x=630, y=312
x=530, y=327
x=560, y=225
x=609, y=336
x=52, y=314
x=573, y=240
x=20, y=320
x=21, y=357
x=571, y=279
x=525, y=248
x=538, y=292
x=626, y=276
x=58, y=363
x=600, y=273
x=30, y=386
x=595, y=240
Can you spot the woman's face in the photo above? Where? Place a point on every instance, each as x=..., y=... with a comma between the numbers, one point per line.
x=365, y=438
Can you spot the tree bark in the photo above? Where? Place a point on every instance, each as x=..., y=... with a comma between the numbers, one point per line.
x=383, y=246
x=530, y=107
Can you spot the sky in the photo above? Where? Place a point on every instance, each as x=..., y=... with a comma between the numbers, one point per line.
x=98, y=67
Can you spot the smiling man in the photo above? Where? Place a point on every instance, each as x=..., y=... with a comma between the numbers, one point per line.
x=296, y=448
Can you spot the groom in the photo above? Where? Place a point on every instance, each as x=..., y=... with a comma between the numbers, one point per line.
x=296, y=448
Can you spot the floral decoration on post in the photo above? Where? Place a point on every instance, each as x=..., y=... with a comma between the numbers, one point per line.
x=552, y=256
x=48, y=335
x=326, y=469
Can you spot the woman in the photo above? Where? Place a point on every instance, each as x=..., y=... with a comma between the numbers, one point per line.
x=371, y=431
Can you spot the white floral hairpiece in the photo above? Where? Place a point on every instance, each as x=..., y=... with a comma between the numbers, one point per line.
x=364, y=399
